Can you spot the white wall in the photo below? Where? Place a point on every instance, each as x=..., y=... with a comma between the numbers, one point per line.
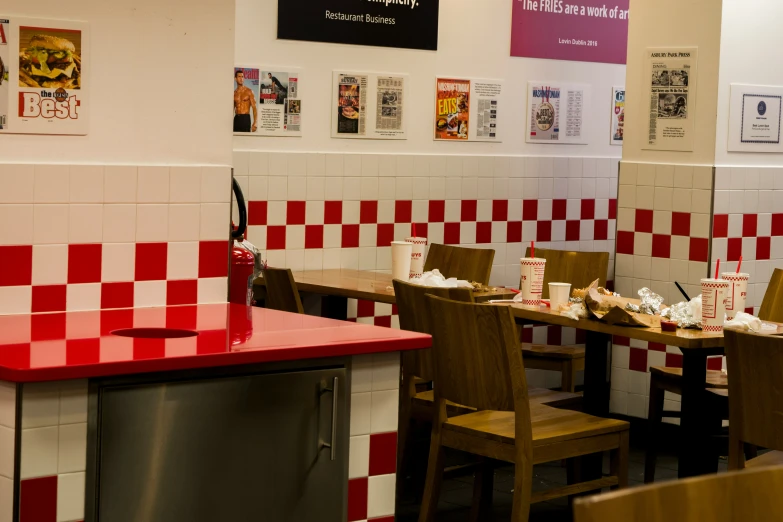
x=474, y=41
x=158, y=85
x=750, y=53
x=673, y=23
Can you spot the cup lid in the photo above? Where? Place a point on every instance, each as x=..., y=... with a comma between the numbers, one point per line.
x=401, y=243
x=713, y=280
x=734, y=274
x=559, y=284
x=531, y=259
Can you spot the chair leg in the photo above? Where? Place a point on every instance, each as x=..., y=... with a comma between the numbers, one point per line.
x=429, y=503
x=407, y=391
x=568, y=380
x=654, y=419
x=481, y=508
x=618, y=461
x=523, y=487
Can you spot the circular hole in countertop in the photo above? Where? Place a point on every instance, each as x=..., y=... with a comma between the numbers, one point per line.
x=154, y=333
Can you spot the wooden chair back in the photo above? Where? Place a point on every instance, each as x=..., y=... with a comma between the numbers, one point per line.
x=772, y=305
x=578, y=268
x=470, y=264
x=725, y=497
x=412, y=307
x=281, y=292
x=755, y=364
x=477, y=356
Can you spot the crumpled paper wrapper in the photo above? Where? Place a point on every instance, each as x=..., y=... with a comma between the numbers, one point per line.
x=612, y=310
x=649, y=303
x=687, y=314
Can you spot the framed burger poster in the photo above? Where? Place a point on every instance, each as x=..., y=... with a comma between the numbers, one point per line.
x=46, y=80
x=556, y=113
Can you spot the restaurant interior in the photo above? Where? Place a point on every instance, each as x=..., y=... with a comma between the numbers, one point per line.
x=445, y=260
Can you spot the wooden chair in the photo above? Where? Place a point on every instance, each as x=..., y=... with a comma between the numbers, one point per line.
x=755, y=363
x=580, y=269
x=478, y=363
x=281, y=292
x=772, y=305
x=470, y=264
x=748, y=496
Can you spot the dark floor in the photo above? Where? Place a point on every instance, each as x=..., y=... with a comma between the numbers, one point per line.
x=456, y=494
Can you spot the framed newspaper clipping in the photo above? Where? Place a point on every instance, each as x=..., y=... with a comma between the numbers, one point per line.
x=369, y=105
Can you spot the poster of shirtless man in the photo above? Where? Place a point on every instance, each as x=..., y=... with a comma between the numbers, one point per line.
x=246, y=91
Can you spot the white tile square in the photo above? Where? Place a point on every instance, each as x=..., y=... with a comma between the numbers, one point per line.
x=380, y=495
x=185, y=185
x=334, y=165
x=50, y=224
x=621, y=356
x=86, y=183
x=278, y=164
x=369, y=189
x=626, y=196
x=257, y=163
x=681, y=200
x=370, y=165
x=119, y=223
x=662, y=222
x=385, y=405
x=182, y=260
x=352, y=165
x=7, y=404
x=83, y=297
x=85, y=223
x=663, y=198
x=297, y=164
x=352, y=188
x=316, y=164
x=297, y=188
x=73, y=401
x=118, y=262
x=701, y=201
x=70, y=497
x=7, y=449
x=215, y=185
x=152, y=223
x=153, y=185
x=637, y=383
x=637, y=406
x=212, y=290
x=50, y=264
x=702, y=177
x=72, y=448
x=51, y=184
x=39, y=452
x=387, y=188
x=404, y=188
x=618, y=402
x=645, y=198
x=184, y=222
x=361, y=373
x=16, y=299
x=17, y=183
x=16, y=224
x=386, y=370
x=316, y=188
x=359, y=457
x=361, y=413
x=149, y=293
x=215, y=221
x=119, y=184
x=6, y=499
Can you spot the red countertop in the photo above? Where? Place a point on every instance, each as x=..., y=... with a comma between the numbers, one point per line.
x=76, y=345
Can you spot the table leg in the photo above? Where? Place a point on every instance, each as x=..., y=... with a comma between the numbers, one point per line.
x=697, y=421
x=334, y=307
x=596, y=393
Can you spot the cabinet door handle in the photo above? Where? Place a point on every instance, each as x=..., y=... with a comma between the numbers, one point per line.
x=332, y=444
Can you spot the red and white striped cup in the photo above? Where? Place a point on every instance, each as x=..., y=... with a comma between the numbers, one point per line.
x=417, y=255
x=738, y=292
x=532, y=280
x=713, y=304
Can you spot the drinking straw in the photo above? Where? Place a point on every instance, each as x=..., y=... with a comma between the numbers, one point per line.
x=739, y=265
x=533, y=249
x=686, y=296
x=717, y=269
x=413, y=226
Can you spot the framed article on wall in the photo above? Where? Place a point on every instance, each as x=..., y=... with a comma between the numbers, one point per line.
x=407, y=24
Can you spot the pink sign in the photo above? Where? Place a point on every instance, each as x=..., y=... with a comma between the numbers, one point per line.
x=577, y=30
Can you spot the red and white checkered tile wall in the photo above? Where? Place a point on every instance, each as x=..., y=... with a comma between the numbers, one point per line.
x=86, y=237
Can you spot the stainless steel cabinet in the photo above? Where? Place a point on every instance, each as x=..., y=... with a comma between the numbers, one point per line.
x=242, y=448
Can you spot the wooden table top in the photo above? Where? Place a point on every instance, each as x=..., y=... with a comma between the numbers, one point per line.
x=682, y=338
x=362, y=284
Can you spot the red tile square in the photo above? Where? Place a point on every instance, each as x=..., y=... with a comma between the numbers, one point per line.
x=212, y=341
x=638, y=360
x=526, y=334
x=350, y=236
x=385, y=234
x=368, y=212
x=483, y=232
x=419, y=229
x=151, y=261
x=295, y=213
x=514, y=231
x=699, y=249
x=559, y=209
x=681, y=223
x=612, y=209
x=149, y=349
x=500, y=210
x=601, y=229
x=734, y=249
x=554, y=335
x=213, y=258
x=749, y=225
x=544, y=231
x=383, y=453
x=365, y=308
x=656, y=347
x=16, y=265
x=183, y=317
x=116, y=295
x=644, y=220
x=715, y=363
x=624, y=242
x=256, y=212
x=314, y=236
x=572, y=230
x=84, y=263
x=468, y=210
x=357, y=499
x=437, y=211
x=183, y=292
x=115, y=320
x=661, y=246
x=588, y=209
x=395, y=310
x=384, y=321
x=47, y=327
x=673, y=360
x=530, y=210
x=82, y=351
x=403, y=211
x=622, y=341
x=777, y=224
x=720, y=225
x=451, y=233
x=38, y=500
x=333, y=212
x=763, y=246
x=49, y=298
x=275, y=237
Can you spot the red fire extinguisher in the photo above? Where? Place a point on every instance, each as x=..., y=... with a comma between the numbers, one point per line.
x=245, y=258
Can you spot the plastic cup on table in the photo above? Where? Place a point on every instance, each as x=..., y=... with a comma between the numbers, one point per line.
x=401, y=260
x=558, y=294
x=737, y=293
x=417, y=255
x=532, y=280
x=713, y=304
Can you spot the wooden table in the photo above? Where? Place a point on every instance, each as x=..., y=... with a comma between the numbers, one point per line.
x=696, y=423
x=337, y=286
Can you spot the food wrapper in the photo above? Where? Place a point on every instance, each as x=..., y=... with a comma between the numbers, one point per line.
x=687, y=314
x=612, y=310
x=436, y=279
x=574, y=310
x=649, y=303
x=743, y=321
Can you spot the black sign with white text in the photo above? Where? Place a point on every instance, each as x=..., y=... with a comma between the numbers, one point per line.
x=408, y=24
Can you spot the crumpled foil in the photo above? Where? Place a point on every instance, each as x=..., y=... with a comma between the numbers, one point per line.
x=650, y=303
x=682, y=314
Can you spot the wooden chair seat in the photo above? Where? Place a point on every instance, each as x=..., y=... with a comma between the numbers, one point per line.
x=770, y=458
x=552, y=352
x=552, y=398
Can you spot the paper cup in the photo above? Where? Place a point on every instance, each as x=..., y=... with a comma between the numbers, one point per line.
x=737, y=294
x=401, y=260
x=532, y=280
x=417, y=255
x=558, y=294
x=713, y=304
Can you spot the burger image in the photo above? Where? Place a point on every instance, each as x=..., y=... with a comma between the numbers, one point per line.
x=442, y=124
x=350, y=113
x=50, y=62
